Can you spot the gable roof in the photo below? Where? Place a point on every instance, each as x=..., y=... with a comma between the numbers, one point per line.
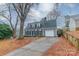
x=45, y=23
x=75, y=17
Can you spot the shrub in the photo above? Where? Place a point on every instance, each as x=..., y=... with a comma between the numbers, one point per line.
x=60, y=32
x=5, y=31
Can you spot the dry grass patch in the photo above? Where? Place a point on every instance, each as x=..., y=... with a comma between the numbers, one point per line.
x=61, y=48
x=7, y=46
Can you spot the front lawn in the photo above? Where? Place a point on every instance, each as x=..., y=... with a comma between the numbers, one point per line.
x=7, y=46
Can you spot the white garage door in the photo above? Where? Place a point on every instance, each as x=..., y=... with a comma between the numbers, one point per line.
x=49, y=33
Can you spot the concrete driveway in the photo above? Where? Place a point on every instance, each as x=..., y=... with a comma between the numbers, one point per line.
x=36, y=48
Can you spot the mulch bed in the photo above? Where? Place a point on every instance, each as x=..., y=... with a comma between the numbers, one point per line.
x=7, y=46
x=62, y=48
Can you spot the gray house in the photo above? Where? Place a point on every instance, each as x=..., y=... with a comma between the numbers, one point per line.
x=42, y=28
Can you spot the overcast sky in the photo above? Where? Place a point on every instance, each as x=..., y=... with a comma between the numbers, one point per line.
x=38, y=12
x=41, y=10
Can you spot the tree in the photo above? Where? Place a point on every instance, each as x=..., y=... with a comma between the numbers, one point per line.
x=22, y=10
x=9, y=18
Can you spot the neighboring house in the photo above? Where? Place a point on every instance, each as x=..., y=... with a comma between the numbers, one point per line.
x=76, y=19
x=72, y=22
x=42, y=28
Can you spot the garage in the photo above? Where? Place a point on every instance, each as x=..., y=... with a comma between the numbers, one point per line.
x=49, y=33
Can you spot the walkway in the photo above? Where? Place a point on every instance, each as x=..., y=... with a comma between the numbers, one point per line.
x=36, y=48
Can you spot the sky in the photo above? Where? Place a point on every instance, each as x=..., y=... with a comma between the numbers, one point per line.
x=69, y=9
x=40, y=11
x=37, y=12
x=64, y=8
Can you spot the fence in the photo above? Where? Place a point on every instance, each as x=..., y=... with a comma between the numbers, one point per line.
x=72, y=38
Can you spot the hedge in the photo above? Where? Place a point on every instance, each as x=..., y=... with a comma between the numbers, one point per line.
x=5, y=31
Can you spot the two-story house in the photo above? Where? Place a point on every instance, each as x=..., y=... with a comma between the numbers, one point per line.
x=42, y=28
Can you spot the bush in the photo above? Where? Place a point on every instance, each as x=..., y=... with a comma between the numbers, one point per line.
x=5, y=31
x=60, y=32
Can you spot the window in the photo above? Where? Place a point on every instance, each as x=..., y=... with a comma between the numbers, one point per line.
x=33, y=25
x=38, y=24
x=29, y=26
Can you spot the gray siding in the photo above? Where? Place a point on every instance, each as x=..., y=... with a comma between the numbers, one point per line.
x=34, y=30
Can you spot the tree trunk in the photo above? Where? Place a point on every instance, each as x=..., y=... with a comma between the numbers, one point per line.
x=21, y=29
x=14, y=34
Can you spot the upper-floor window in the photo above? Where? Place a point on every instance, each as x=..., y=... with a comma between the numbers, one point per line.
x=33, y=25
x=28, y=25
x=38, y=24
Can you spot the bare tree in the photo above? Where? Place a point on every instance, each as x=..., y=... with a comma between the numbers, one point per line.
x=22, y=10
x=9, y=18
